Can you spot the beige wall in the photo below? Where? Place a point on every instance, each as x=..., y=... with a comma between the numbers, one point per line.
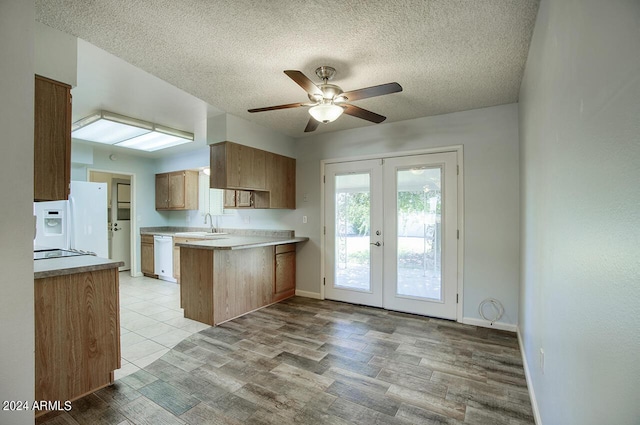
x=580, y=171
x=17, y=19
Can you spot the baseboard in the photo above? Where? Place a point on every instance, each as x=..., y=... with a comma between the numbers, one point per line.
x=527, y=375
x=487, y=324
x=307, y=294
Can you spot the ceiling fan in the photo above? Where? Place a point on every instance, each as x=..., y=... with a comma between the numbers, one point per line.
x=328, y=101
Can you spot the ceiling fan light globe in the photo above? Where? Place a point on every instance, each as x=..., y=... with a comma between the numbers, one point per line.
x=326, y=112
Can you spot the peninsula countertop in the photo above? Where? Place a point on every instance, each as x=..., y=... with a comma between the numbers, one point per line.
x=240, y=242
x=51, y=267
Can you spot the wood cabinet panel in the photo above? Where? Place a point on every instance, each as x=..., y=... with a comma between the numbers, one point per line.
x=147, y=261
x=284, y=284
x=77, y=334
x=196, y=288
x=235, y=166
x=218, y=285
x=52, y=140
x=242, y=281
x=270, y=177
x=177, y=190
x=229, y=198
x=281, y=181
x=238, y=199
x=162, y=191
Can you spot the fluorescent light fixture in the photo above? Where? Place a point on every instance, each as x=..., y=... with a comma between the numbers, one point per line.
x=119, y=130
x=326, y=112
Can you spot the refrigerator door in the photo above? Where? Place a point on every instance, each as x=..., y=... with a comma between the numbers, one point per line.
x=88, y=212
x=51, y=225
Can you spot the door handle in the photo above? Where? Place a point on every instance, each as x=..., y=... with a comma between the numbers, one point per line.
x=376, y=244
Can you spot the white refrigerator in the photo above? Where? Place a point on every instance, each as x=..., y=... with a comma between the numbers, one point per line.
x=79, y=223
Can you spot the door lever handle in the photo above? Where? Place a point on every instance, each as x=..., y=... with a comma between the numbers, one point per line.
x=376, y=244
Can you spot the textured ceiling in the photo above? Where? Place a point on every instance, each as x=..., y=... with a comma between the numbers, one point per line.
x=448, y=55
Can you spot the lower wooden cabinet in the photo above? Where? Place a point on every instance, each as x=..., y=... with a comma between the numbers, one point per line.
x=146, y=255
x=219, y=285
x=284, y=283
x=77, y=334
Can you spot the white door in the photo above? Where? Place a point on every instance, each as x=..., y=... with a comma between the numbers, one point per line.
x=410, y=204
x=353, y=216
x=120, y=234
x=421, y=246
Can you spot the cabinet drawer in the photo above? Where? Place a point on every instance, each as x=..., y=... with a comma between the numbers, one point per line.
x=146, y=238
x=289, y=247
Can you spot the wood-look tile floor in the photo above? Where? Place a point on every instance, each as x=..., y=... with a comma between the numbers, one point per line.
x=305, y=361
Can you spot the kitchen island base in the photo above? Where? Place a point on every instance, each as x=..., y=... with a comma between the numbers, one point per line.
x=218, y=285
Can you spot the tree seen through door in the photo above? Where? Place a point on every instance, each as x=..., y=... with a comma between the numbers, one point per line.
x=419, y=211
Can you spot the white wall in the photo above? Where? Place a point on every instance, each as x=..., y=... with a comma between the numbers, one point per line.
x=56, y=54
x=580, y=169
x=229, y=128
x=490, y=139
x=17, y=18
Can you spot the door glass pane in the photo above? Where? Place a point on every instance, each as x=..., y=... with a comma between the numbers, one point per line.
x=353, y=213
x=419, y=233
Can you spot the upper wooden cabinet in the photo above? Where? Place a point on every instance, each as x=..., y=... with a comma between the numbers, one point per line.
x=177, y=190
x=271, y=177
x=236, y=166
x=52, y=140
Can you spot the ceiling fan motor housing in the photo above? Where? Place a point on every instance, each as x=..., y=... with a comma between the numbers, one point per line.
x=329, y=93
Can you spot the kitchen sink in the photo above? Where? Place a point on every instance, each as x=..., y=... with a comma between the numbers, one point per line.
x=199, y=234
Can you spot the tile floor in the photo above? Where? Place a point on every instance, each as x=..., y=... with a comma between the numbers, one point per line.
x=151, y=321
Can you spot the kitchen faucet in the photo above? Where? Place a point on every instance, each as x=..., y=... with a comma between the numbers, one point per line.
x=213, y=229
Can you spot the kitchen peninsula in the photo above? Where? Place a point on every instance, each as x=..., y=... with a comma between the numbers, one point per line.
x=77, y=321
x=226, y=276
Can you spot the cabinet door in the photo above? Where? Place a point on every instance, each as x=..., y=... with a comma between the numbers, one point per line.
x=176, y=190
x=285, y=279
x=280, y=181
x=229, y=198
x=245, y=167
x=52, y=140
x=162, y=191
x=146, y=258
x=243, y=199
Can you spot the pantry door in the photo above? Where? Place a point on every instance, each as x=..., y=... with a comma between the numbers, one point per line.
x=391, y=233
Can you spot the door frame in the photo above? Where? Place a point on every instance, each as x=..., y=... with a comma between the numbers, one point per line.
x=133, y=221
x=459, y=150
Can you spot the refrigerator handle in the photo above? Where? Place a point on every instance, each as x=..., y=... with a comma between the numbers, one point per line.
x=70, y=221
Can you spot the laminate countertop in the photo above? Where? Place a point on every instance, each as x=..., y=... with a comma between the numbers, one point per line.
x=240, y=242
x=51, y=267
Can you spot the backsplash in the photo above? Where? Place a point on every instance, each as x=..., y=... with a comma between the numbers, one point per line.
x=231, y=231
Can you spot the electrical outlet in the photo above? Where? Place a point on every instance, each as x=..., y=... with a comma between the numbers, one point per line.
x=304, y=218
x=542, y=360
x=246, y=219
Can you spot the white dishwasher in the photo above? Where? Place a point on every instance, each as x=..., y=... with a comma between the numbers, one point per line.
x=163, y=257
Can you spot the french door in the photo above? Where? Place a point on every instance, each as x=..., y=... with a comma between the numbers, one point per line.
x=391, y=233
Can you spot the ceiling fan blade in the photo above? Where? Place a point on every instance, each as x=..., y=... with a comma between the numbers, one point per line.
x=273, y=108
x=357, y=112
x=311, y=125
x=304, y=82
x=372, y=91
